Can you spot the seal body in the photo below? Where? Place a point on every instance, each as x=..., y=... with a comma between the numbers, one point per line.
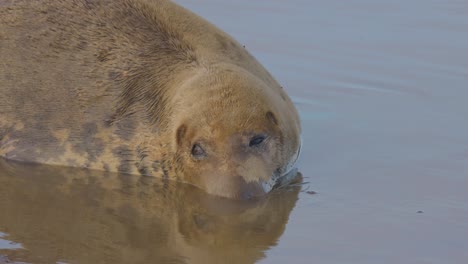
x=140, y=87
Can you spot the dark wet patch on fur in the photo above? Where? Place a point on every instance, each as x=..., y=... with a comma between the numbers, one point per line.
x=90, y=129
x=34, y=142
x=141, y=155
x=86, y=142
x=125, y=155
x=156, y=166
x=165, y=173
x=96, y=150
x=166, y=167
x=161, y=168
x=125, y=166
x=143, y=170
x=125, y=129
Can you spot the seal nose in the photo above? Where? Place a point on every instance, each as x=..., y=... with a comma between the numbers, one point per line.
x=250, y=190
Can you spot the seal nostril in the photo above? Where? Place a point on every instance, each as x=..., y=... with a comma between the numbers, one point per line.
x=252, y=190
x=247, y=195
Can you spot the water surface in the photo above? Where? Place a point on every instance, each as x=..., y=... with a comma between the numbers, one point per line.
x=382, y=89
x=68, y=215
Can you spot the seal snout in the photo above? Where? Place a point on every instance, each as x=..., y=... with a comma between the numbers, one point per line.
x=238, y=188
x=251, y=190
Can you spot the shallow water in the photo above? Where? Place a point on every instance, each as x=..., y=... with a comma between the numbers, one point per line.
x=382, y=89
x=78, y=216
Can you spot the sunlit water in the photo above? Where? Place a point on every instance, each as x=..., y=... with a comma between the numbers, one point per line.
x=382, y=88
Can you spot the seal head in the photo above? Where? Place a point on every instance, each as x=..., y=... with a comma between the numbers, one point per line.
x=240, y=139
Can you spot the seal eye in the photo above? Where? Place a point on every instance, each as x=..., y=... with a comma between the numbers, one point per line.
x=198, y=152
x=257, y=140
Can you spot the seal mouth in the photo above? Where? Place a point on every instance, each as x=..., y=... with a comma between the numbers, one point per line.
x=278, y=181
x=292, y=163
x=283, y=177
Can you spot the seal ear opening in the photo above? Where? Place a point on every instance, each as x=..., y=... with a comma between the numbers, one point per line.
x=181, y=131
x=272, y=117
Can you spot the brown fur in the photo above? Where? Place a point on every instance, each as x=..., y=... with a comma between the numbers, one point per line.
x=131, y=86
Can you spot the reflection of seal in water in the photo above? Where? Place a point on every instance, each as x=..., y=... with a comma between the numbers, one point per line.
x=141, y=87
x=82, y=216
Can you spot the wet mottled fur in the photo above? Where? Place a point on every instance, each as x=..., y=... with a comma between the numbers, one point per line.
x=111, y=84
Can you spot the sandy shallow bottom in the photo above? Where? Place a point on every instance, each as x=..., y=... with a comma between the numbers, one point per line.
x=382, y=89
